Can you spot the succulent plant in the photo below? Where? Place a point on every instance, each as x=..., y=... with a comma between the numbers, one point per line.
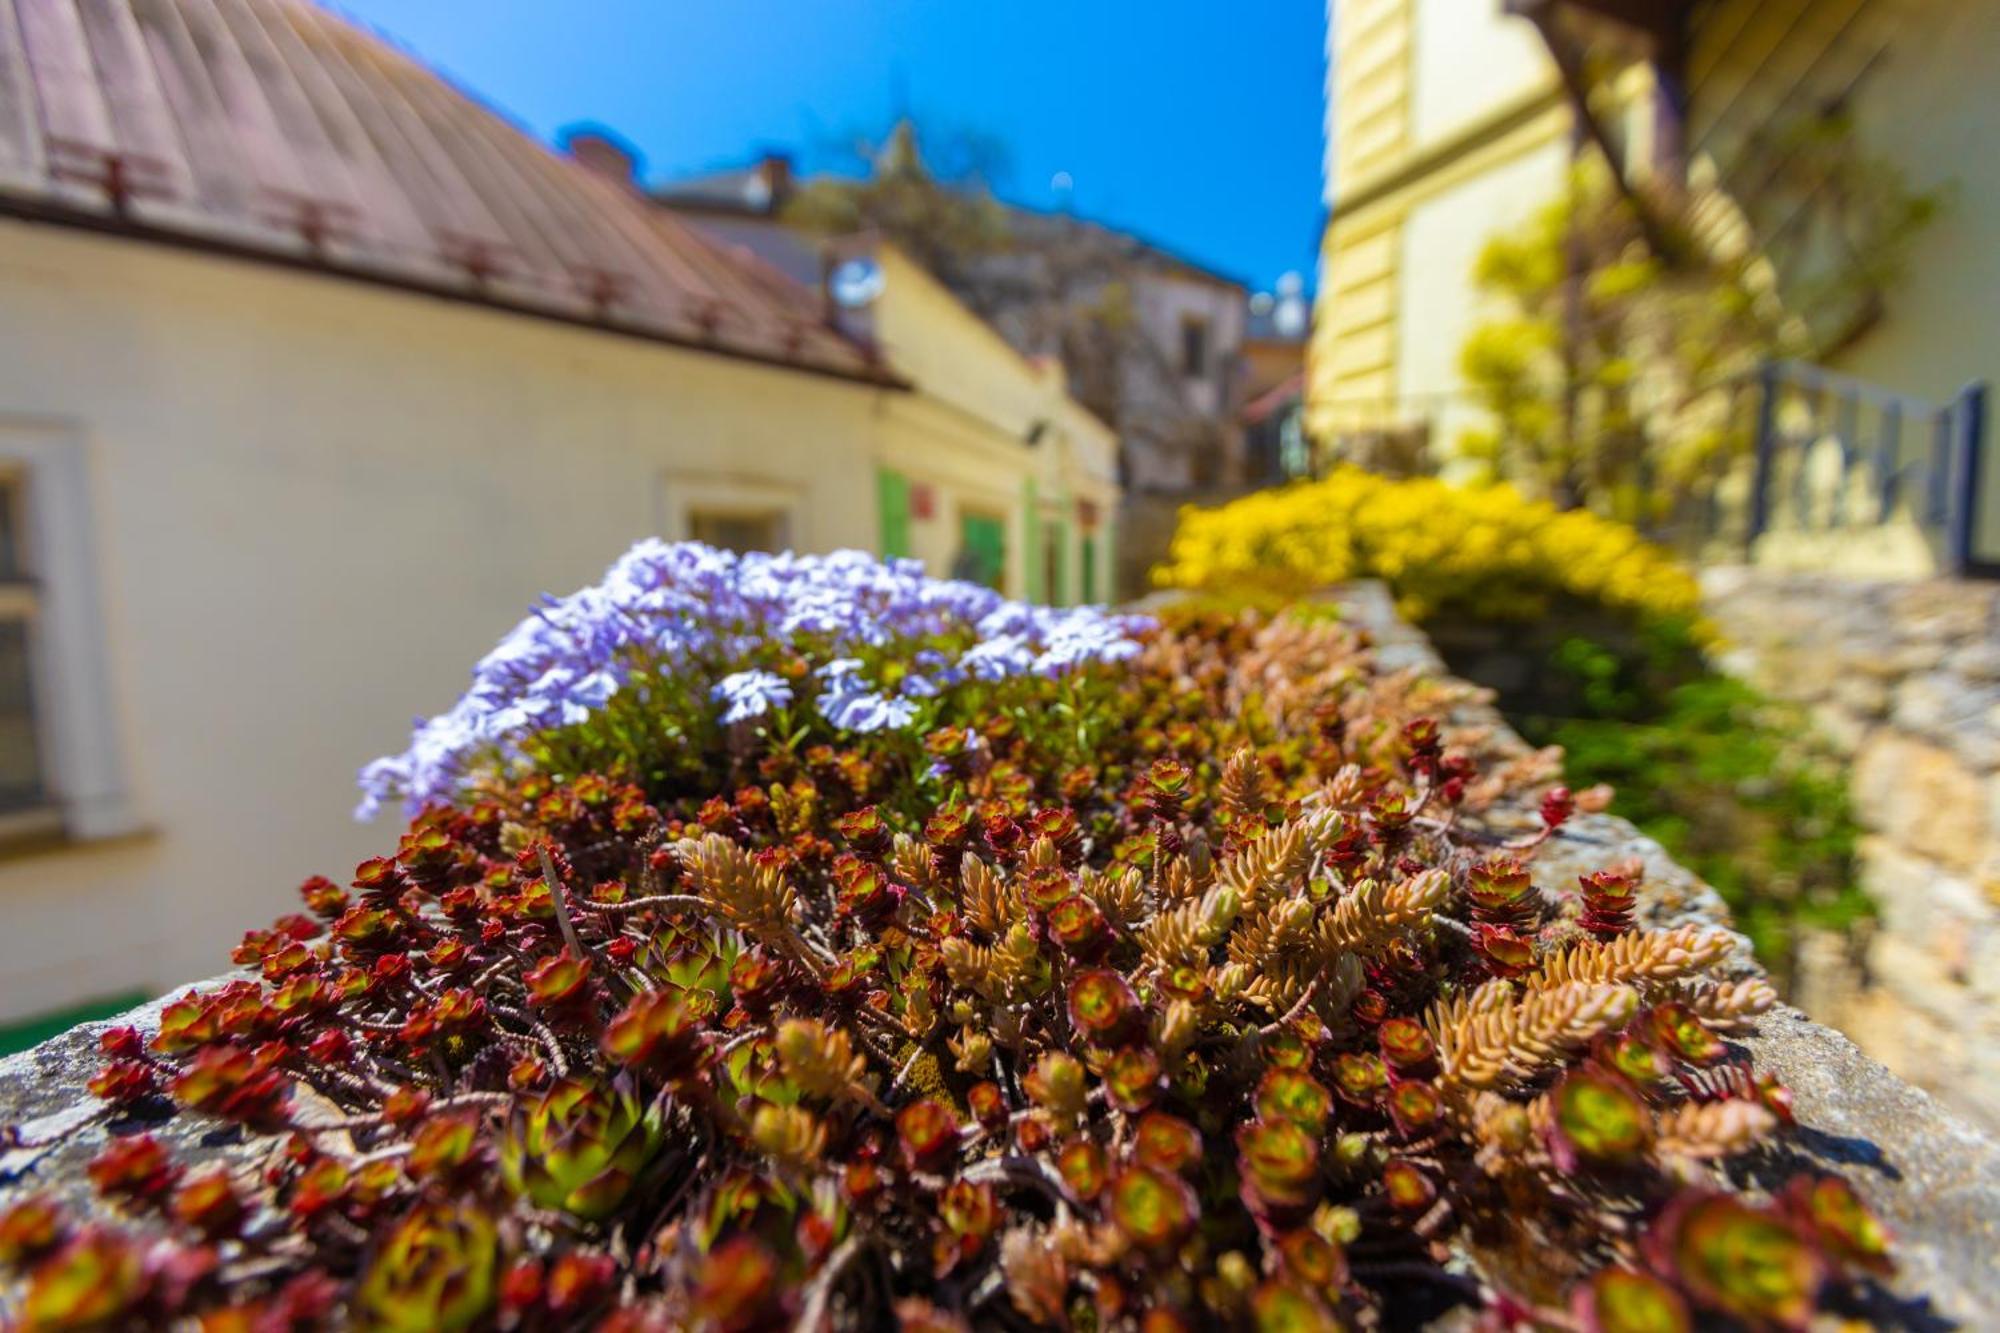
x=437, y=1270
x=580, y=1147
x=29, y=1230
x=1596, y=1118
x=95, y=1280
x=1152, y=1209
x=1621, y=1300
x=1846, y=1229
x=1209, y=990
x=1279, y=1161
x=1739, y=1259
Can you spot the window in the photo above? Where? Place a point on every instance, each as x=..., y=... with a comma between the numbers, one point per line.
x=1194, y=346
x=62, y=769
x=21, y=785
x=733, y=513
x=743, y=530
x=23, y=765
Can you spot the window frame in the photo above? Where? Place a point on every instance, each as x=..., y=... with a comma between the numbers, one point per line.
x=685, y=495
x=21, y=600
x=777, y=521
x=85, y=778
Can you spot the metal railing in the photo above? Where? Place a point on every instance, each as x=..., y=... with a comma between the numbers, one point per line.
x=1836, y=455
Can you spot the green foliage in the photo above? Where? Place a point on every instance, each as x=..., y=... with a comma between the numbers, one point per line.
x=1608, y=378
x=1611, y=376
x=1728, y=780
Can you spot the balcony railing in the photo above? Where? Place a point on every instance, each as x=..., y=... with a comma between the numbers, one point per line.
x=1837, y=458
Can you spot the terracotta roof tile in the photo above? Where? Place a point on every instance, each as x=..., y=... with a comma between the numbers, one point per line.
x=278, y=129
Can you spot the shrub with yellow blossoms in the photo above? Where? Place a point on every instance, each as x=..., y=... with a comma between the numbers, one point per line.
x=1484, y=551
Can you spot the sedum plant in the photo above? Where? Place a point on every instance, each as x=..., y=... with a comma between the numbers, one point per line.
x=1253, y=1012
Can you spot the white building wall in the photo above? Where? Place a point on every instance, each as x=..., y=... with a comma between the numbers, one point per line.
x=1438, y=302
x=1470, y=58
x=313, y=505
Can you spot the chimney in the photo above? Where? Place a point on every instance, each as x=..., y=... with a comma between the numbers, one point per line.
x=775, y=170
x=604, y=152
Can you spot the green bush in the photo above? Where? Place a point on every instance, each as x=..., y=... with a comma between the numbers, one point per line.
x=1726, y=779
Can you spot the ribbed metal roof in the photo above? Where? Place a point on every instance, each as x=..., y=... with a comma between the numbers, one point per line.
x=276, y=129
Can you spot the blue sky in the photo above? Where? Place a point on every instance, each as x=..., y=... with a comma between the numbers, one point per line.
x=1195, y=123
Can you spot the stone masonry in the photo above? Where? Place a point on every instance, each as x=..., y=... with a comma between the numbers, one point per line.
x=1904, y=679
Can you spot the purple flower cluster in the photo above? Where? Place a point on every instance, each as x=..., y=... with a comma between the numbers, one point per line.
x=710, y=618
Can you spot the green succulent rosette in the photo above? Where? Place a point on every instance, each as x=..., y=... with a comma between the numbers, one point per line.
x=580, y=1147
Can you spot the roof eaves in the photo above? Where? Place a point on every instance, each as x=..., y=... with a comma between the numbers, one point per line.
x=41, y=211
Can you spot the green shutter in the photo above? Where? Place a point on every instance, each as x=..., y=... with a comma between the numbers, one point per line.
x=1089, y=568
x=1107, y=547
x=1059, y=589
x=1031, y=542
x=892, y=499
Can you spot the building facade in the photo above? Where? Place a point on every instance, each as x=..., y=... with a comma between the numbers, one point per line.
x=1446, y=126
x=988, y=467
x=1452, y=121
x=1151, y=343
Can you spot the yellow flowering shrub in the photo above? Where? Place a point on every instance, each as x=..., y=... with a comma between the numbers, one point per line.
x=1485, y=551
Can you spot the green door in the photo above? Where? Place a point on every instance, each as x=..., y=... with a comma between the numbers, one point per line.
x=1089, y=591
x=982, y=543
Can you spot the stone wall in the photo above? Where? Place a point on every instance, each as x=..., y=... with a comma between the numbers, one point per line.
x=1904, y=679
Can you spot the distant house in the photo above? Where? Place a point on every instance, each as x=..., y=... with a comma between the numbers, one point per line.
x=989, y=466
x=314, y=372
x=1451, y=121
x=1152, y=342
x=1275, y=445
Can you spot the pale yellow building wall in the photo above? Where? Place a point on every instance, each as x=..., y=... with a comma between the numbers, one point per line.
x=1927, y=107
x=1469, y=57
x=1918, y=71
x=951, y=354
x=1447, y=126
x=1369, y=62
x=313, y=505
x=964, y=433
x=1439, y=300
x=1930, y=110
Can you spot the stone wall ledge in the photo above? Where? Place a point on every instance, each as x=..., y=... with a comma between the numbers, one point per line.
x=1933, y=1177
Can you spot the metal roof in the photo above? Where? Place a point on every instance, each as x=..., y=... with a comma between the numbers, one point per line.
x=277, y=130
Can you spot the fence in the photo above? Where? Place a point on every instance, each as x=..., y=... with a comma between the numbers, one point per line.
x=1839, y=459
x=1820, y=471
